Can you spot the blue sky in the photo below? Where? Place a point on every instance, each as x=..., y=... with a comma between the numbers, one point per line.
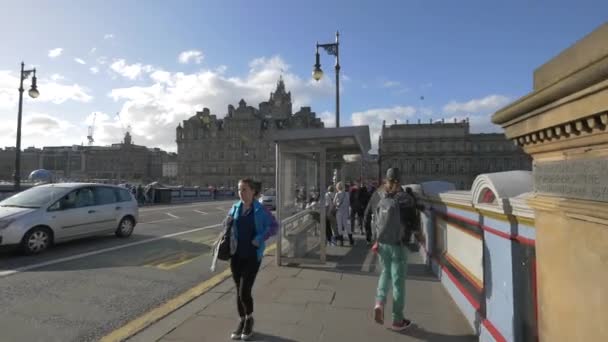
x=467, y=58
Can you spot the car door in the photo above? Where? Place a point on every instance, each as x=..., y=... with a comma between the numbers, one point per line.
x=74, y=215
x=107, y=209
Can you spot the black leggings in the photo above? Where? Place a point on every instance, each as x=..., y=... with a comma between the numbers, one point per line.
x=244, y=272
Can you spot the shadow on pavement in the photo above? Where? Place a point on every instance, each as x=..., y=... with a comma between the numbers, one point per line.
x=353, y=262
x=425, y=335
x=269, y=338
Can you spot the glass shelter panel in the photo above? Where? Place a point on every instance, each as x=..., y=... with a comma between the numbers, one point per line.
x=299, y=208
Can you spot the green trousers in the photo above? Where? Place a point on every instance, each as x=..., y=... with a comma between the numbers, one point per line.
x=394, y=267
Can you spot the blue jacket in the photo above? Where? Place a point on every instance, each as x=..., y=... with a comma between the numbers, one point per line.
x=262, y=223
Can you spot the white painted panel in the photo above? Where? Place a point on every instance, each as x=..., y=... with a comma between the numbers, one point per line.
x=467, y=250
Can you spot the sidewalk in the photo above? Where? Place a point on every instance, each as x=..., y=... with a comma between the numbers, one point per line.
x=331, y=302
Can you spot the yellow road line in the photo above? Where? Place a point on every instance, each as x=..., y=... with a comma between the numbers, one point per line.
x=154, y=315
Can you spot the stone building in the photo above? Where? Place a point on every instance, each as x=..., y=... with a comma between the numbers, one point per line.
x=218, y=152
x=123, y=162
x=446, y=151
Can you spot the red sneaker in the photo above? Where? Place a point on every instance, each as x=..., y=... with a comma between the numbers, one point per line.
x=401, y=325
x=379, y=314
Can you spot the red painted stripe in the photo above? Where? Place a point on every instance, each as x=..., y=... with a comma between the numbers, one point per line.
x=518, y=238
x=498, y=232
x=493, y=331
x=464, y=219
x=525, y=240
x=464, y=291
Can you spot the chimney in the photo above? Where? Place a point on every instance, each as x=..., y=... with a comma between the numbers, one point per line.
x=395, y=122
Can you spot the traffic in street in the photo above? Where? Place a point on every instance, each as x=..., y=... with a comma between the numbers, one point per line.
x=81, y=290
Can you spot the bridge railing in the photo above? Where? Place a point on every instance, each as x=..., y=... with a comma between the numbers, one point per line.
x=481, y=244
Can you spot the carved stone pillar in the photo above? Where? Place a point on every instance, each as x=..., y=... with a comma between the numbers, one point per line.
x=562, y=125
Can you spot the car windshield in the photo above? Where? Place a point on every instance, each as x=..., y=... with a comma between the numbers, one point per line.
x=34, y=197
x=270, y=192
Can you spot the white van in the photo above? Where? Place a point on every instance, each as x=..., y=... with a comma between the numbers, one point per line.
x=38, y=217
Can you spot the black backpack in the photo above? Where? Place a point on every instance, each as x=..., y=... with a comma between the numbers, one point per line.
x=223, y=247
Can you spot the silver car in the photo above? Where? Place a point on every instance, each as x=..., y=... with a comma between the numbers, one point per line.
x=269, y=199
x=38, y=217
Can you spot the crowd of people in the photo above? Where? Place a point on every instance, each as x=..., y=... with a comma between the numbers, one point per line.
x=387, y=217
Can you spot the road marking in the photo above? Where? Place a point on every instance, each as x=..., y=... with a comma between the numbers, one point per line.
x=200, y=212
x=142, y=322
x=175, y=217
x=163, y=220
x=172, y=261
x=84, y=255
x=200, y=204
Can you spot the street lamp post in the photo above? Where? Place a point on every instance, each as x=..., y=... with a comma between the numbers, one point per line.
x=33, y=92
x=317, y=73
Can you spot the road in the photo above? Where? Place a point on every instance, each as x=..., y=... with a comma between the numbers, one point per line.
x=82, y=290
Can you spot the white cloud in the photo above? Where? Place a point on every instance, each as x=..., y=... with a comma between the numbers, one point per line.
x=479, y=112
x=328, y=118
x=191, y=56
x=130, y=71
x=374, y=117
x=94, y=69
x=486, y=104
x=391, y=84
x=102, y=60
x=57, y=77
x=50, y=91
x=79, y=61
x=154, y=110
x=55, y=52
x=108, y=36
x=59, y=93
x=92, y=51
x=39, y=129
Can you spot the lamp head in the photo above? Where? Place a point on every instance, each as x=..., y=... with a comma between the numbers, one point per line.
x=33, y=92
x=317, y=73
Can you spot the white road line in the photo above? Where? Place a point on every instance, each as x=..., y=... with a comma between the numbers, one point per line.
x=163, y=220
x=175, y=217
x=84, y=255
x=199, y=204
x=201, y=212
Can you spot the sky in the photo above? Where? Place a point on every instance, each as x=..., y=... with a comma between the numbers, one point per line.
x=148, y=65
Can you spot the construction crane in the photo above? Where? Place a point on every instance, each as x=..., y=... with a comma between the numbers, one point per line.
x=92, y=130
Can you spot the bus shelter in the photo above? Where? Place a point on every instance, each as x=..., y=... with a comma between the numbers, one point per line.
x=305, y=163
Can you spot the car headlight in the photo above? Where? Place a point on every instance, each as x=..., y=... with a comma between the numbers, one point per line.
x=6, y=223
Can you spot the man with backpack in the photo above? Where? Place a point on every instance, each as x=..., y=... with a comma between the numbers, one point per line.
x=391, y=208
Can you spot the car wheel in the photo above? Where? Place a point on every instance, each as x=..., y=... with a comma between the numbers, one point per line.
x=125, y=227
x=36, y=241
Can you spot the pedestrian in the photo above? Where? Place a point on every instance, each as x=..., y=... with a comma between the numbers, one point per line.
x=363, y=200
x=330, y=216
x=391, y=207
x=415, y=215
x=342, y=203
x=355, y=204
x=251, y=223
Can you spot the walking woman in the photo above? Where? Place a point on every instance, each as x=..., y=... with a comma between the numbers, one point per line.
x=342, y=203
x=251, y=223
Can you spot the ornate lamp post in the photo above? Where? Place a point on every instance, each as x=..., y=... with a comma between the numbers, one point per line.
x=317, y=73
x=33, y=92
